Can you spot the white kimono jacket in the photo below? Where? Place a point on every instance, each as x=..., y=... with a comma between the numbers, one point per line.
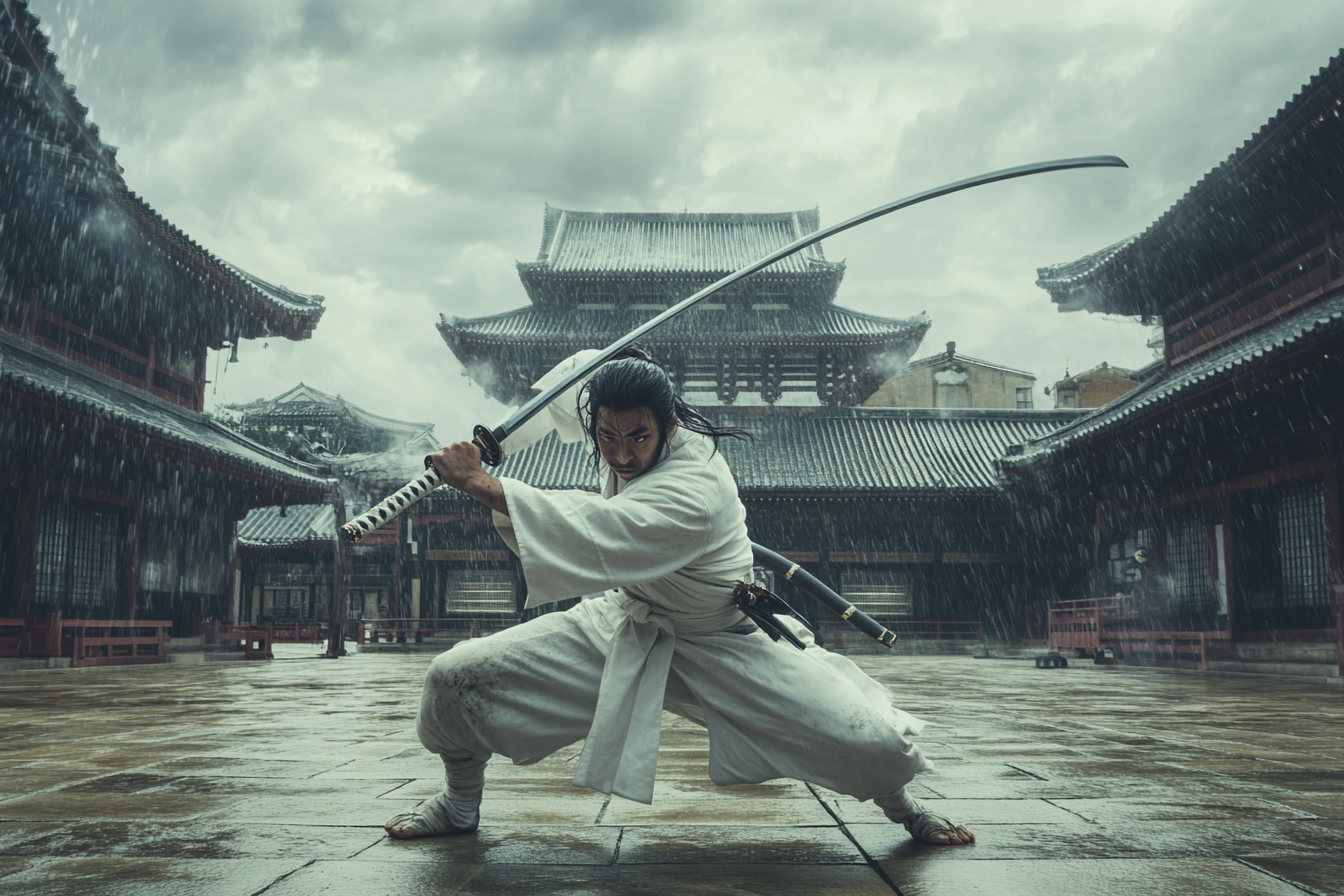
x=666, y=550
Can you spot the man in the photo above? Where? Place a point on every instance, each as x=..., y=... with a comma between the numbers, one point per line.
x=665, y=544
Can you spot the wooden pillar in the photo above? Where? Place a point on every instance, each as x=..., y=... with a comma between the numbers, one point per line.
x=27, y=518
x=1334, y=555
x=337, y=608
x=131, y=563
x=1230, y=561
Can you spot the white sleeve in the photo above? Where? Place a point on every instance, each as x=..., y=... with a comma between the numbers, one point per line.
x=561, y=415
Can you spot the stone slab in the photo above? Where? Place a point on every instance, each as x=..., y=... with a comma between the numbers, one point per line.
x=1208, y=877
x=504, y=844
x=745, y=811
x=147, y=877
x=699, y=844
x=377, y=879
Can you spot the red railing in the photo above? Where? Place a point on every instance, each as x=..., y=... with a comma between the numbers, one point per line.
x=115, y=642
x=375, y=631
x=1087, y=627
x=11, y=637
x=306, y=633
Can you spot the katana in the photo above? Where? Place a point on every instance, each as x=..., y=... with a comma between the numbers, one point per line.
x=489, y=440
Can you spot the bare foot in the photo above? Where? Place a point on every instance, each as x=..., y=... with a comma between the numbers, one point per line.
x=430, y=819
x=937, y=830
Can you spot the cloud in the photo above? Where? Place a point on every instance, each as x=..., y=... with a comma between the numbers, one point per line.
x=396, y=157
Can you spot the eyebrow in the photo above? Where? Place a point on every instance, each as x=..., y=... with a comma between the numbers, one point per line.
x=637, y=431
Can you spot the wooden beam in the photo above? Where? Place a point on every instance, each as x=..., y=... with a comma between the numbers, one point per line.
x=1263, y=479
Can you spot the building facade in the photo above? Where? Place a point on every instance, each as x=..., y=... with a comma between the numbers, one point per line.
x=1223, y=467
x=1096, y=387
x=775, y=338
x=118, y=497
x=952, y=380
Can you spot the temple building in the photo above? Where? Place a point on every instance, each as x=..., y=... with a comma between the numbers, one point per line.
x=328, y=423
x=118, y=496
x=284, y=557
x=775, y=338
x=899, y=509
x=1224, y=466
x=953, y=380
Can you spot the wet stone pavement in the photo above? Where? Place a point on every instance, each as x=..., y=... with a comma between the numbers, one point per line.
x=276, y=778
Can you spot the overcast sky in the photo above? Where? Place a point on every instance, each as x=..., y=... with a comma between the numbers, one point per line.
x=395, y=156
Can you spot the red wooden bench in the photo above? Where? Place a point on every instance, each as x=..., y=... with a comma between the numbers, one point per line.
x=115, y=642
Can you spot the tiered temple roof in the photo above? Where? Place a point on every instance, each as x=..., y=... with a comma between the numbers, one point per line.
x=360, y=431
x=598, y=275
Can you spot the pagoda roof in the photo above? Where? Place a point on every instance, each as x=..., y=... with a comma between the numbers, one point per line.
x=832, y=451
x=305, y=402
x=675, y=243
x=27, y=367
x=53, y=129
x=702, y=325
x=1163, y=389
x=1285, y=175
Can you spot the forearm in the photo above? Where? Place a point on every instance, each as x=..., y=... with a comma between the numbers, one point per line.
x=488, y=490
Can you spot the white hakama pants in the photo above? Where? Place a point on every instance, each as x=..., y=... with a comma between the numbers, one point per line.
x=772, y=711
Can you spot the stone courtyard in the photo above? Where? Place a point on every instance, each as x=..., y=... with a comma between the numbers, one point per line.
x=275, y=777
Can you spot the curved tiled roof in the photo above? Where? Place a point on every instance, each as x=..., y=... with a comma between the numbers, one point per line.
x=1164, y=389
x=299, y=524
x=864, y=451
x=68, y=141
x=1259, y=184
x=549, y=324
x=675, y=243
x=31, y=368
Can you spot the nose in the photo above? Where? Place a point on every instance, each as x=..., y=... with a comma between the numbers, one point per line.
x=623, y=454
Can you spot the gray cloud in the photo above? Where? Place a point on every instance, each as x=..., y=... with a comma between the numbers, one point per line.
x=396, y=156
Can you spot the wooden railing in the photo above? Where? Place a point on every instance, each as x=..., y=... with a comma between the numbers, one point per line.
x=298, y=633
x=1089, y=627
x=11, y=637
x=115, y=642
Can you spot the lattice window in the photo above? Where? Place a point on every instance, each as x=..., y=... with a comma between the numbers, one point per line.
x=79, y=559
x=1188, y=562
x=1301, y=544
x=1124, y=572
x=882, y=594
x=477, y=591
x=1024, y=398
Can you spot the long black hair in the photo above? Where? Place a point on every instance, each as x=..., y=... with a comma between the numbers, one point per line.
x=633, y=381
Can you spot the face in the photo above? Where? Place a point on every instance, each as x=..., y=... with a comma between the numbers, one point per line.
x=629, y=440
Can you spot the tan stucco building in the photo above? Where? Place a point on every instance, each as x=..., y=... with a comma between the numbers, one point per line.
x=950, y=380
x=1096, y=387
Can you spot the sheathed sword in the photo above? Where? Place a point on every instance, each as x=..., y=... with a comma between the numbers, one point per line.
x=489, y=440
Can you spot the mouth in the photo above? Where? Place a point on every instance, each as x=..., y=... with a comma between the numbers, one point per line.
x=625, y=472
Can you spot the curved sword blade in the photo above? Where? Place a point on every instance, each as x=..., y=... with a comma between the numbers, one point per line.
x=538, y=402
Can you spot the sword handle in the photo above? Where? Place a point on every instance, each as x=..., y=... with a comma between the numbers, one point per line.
x=392, y=506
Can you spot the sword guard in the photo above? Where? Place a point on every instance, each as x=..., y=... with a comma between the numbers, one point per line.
x=761, y=606
x=491, y=451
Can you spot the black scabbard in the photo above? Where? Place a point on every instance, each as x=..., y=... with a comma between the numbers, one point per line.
x=796, y=575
